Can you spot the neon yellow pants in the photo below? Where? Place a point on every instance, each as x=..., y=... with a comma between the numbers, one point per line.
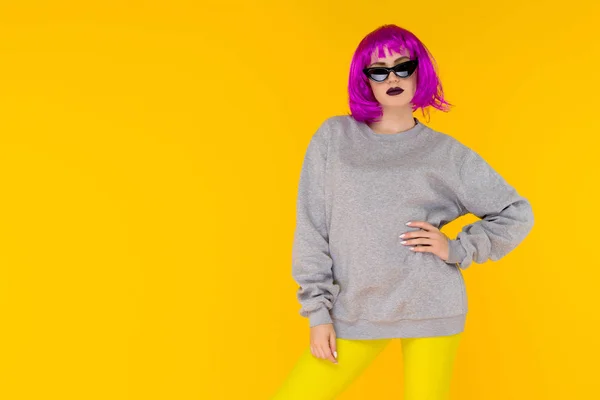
x=428, y=363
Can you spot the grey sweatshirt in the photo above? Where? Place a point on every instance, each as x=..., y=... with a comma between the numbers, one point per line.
x=357, y=190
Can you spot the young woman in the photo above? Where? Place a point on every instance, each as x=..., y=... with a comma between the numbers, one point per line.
x=371, y=263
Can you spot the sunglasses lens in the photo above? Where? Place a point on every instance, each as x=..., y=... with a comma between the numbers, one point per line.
x=402, y=73
x=405, y=69
x=378, y=74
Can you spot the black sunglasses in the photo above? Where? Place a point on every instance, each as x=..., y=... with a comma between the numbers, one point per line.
x=402, y=70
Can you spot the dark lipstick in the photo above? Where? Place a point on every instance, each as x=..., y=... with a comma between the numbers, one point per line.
x=394, y=91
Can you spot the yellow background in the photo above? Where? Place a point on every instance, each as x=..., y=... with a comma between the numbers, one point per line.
x=149, y=161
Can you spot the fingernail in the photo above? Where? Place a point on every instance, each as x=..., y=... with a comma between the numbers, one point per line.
x=402, y=235
x=335, y=354
x=409, y=222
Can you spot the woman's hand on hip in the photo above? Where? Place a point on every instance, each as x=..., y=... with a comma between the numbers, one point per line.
x=431, y=239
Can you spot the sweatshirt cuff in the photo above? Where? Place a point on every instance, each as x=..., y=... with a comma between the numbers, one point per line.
x=319, y=317
x=456, y=252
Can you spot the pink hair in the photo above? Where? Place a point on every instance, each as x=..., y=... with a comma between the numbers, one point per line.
x=363, y=105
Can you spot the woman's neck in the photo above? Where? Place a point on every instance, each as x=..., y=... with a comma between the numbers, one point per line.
x=393, y=122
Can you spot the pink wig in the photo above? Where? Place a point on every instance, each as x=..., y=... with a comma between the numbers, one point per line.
x=363, y=105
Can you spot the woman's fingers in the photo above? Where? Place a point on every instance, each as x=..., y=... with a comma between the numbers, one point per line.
x=417, y=234
x=323, y=343
x=327, y=352
x=333, y=345
x=412, y=242
x=423, y=225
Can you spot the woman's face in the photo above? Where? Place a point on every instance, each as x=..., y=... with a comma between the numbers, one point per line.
x=409, y=85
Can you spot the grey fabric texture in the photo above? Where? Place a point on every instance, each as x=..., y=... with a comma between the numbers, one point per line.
x=357, y=190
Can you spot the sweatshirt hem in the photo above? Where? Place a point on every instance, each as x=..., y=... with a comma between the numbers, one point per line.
x=404, y=328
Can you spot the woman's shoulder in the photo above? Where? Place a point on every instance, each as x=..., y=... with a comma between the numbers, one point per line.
x=334, y=126
x=338, y=121
x=445, y=142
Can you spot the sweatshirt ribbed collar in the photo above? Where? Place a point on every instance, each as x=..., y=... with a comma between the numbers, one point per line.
x=409, y=134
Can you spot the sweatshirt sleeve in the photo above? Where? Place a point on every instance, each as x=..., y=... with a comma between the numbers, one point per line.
x=311, y=261
x=506, y=217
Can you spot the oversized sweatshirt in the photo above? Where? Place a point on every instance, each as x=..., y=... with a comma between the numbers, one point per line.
x=357, y=190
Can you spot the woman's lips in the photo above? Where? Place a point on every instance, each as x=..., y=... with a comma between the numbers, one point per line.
x=394, y=91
